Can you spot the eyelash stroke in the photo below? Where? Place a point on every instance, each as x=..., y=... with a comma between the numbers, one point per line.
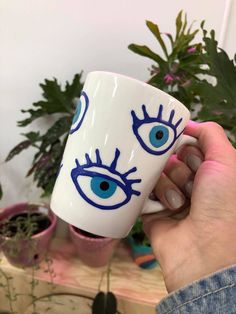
x=147, y=119
x=126, y=185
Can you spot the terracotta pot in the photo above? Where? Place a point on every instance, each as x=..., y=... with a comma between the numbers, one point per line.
x=27, y=252
x=93, y=251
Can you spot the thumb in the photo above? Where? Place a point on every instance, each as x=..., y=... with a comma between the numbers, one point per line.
x=157, y=226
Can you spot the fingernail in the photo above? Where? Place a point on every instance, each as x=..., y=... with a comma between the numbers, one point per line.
x=189, y=187
x=193, y=162
x=174, y=199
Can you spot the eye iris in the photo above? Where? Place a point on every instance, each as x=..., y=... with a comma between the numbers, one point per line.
x=159, y=135
x=103, y=188
x=77, y=112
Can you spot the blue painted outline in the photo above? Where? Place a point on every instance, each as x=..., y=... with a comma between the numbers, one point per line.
x=82, y=118
x=126, y=185
x=147, y=119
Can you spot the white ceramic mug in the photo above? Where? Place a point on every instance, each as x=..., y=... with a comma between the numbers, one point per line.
x=122, y=135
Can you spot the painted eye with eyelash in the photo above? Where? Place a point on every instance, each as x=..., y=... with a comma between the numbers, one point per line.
x=81, y=109
x=103, y=186
x=155, y=134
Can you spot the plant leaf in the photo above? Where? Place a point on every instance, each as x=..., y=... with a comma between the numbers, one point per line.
x=74, y=89
x=170, y=38
x=34, y=114
x=17, y=149
x=147, y=52
x=178, y=24
x=185, y=24
x=222, y=68
x=104, y=303
x=59, y=128
x=44, y=159
x=33, y=136
x=157, y=81
x=45, y=172
x=155, y=30
x=56, y=101
x=218, y=101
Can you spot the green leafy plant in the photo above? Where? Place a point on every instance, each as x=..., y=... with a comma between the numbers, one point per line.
x=10, y=291
x=176, y=71
x=58, y=103
x=182, y=70
x=105, y=302
x=218, y=100
x=102, y=303
x=14, y=231
x=20, y=229
x=11, y=232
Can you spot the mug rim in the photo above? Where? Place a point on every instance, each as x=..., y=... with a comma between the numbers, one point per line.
x=138, y=82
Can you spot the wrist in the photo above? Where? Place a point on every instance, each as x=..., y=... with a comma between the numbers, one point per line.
x=198, y=265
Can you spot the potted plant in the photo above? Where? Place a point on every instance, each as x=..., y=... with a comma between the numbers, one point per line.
x=26, y=231
x=94, y=250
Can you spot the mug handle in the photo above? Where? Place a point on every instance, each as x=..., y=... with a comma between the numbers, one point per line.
x=151, y=206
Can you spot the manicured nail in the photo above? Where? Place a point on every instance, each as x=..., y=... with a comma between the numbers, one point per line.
x=194, y=162
x=189, y=187
x=174, y=199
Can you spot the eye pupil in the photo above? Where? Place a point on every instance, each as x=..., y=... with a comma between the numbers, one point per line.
x=159, y=135
x=104, y=185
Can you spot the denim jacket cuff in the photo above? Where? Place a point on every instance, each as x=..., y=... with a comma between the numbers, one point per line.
x=206, y=295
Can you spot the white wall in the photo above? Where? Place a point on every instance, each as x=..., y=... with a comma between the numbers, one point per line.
x=57, y=38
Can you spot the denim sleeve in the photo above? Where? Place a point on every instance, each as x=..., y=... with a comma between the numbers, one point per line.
x=215, y=294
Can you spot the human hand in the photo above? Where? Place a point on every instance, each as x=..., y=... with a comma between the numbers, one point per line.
x=192, y=245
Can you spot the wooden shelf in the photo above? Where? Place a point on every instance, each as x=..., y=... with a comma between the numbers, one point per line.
x=138, y=291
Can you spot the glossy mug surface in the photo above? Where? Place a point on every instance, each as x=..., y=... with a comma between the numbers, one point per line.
x=121, y=137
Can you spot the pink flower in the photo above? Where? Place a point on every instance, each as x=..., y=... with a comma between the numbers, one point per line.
x=191, y=49
x=168, y=78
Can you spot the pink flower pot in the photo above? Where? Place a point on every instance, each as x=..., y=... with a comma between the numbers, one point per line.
x=93, y=251
x=27, y=252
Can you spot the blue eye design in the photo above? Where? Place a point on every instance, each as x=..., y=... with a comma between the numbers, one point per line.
x=101, y=185
x=155, y=134
x=81, y=109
